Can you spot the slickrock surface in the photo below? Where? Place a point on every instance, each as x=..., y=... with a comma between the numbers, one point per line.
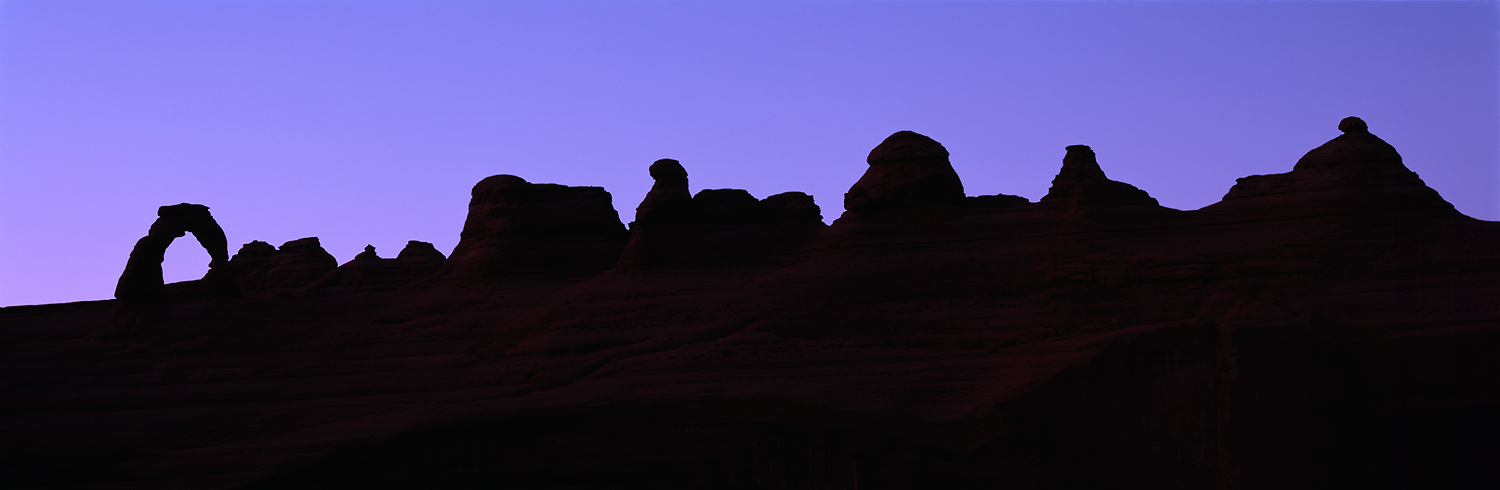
x=1331, y=327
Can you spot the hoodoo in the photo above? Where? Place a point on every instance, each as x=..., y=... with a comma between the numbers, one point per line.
x=1082, y=183
x=674, y=226
x=1334, y=326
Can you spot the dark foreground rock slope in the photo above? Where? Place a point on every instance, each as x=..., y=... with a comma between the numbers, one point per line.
x=1331, y=327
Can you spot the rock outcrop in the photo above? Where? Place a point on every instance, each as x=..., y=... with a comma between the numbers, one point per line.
x=907, y=170
x=1081, y=183
x=516, y=227
x=295, y=265
x=1354, y=171
x=142, y=278
x=415, y=262
x=1331, y=327
x=674, y=226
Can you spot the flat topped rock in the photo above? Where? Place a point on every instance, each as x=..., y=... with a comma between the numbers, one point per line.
x=300, y=245
x=516, y=226
x=184, y=211
x=419, y=250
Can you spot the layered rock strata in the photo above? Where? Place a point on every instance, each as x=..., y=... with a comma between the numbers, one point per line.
x=1312, y=335
x=516, y=227
x=284, y=270
x=1081, y=182
x=1354, y=172
x=906, y=170
x=415, y=262
x=673, y=226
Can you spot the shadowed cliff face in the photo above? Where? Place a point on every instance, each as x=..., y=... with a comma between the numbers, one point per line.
x=1355, y=172
x=1082, y=183
x=1330, y=327
x=906, y=170
x=716, y=225
x=517, y=227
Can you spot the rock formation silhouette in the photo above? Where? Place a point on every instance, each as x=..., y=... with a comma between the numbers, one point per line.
x=417, y=261
x=1082, y=183
x=673, y=226
x=1334, y=326
x=1356, y=170
x=290, y=267
x=516, y=227
x=143, y=276
x=906, y=170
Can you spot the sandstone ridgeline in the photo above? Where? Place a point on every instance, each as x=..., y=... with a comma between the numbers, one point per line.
x=1332, y=326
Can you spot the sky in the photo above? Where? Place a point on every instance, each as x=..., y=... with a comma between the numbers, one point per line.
x=367, y=122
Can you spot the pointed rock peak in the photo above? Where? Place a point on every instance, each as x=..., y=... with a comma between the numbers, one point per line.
x=667, y=168
x=1357, y=151
x=1083, y=181
x=369, y=253
x=904, y=146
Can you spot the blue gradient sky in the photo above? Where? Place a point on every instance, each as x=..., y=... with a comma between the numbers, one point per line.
x=368, y=122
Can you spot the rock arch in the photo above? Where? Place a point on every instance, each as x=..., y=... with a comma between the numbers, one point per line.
x=143, y=277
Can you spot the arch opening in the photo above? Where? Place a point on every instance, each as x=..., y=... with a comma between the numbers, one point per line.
x=143, y=276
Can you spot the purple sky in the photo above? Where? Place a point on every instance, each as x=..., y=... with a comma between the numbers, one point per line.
x=367, y=122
